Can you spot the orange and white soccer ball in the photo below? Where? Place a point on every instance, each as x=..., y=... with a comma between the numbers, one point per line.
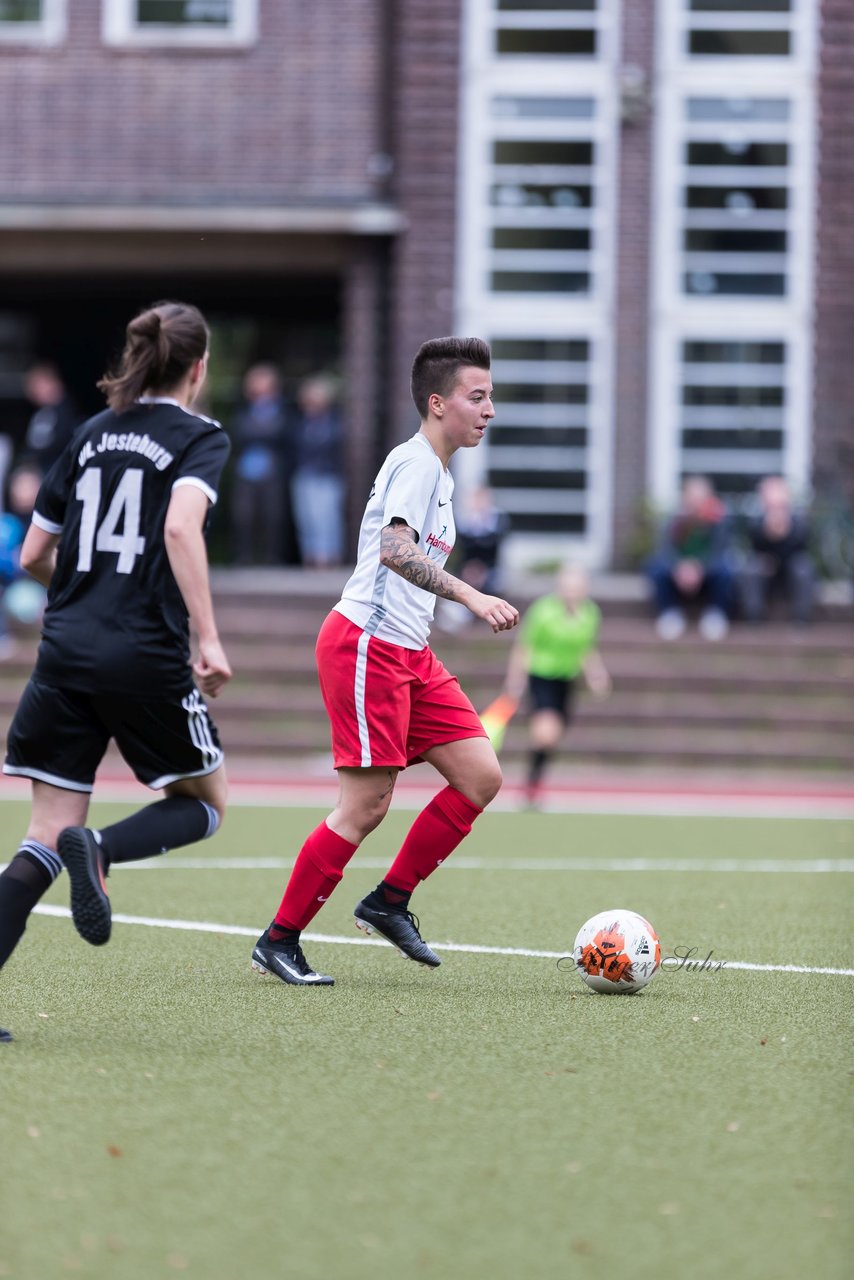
x=617, y=952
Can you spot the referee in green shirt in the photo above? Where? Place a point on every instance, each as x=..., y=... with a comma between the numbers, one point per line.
x=556, y=644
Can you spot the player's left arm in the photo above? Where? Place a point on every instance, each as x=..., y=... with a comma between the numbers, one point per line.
x=596, y=674
x=38, y=554
x=399, y=552
x=183, y=533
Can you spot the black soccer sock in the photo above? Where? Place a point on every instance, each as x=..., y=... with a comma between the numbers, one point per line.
x=395, y=897
x=168, y=824
x=278, y=933
x=28, y=876
x=537, y=761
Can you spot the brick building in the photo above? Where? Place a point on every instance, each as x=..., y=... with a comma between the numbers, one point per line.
x=641, y=203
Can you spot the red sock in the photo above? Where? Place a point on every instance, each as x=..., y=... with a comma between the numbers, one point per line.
x=318, y=869
x=434, y=834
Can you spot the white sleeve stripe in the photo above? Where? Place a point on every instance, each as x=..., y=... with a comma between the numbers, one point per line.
x=41, y=522
x=197, y=483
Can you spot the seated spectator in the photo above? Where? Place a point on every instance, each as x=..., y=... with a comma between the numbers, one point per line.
x=261, y=435
x=778, y=559
x=691, y=564
x=317, y=484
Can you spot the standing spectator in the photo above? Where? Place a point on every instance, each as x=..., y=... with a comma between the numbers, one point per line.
x=24, y=485
x=317, y=486
x=557, y=644
x=691, y=564
x=261, y=436
x=54, y=420
x=778, y=559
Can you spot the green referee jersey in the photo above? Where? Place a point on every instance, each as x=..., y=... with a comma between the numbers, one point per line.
x=556, y=641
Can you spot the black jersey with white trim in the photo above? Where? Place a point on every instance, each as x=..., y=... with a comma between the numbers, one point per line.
x=115, y=618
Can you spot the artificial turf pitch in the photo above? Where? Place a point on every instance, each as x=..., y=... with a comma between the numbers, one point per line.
x=165, y=1110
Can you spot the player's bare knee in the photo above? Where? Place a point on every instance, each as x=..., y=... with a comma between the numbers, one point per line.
x=485, y=785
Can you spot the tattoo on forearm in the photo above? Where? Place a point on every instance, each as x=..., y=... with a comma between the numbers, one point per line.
x=400, y=553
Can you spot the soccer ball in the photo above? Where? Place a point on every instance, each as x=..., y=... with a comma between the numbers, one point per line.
x=617, y=952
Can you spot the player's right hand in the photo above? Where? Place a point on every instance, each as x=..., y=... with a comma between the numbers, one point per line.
x=212, y=669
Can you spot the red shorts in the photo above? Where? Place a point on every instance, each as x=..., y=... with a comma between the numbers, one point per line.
x=387, y=705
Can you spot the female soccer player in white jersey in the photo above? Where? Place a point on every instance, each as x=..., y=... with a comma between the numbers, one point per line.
x=389, y=699
x=117, y=536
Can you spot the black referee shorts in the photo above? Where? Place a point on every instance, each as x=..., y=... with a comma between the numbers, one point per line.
x=60, y=736
x=552, y=695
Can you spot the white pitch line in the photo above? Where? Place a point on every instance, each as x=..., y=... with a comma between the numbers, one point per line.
x=759, y=866
x=205, y=926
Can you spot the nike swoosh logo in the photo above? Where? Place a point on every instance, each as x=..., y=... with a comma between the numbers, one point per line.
x=445, y=503
x=321, y=899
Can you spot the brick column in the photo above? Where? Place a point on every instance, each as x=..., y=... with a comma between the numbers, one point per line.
x=426, y=44
x=632, y=294
x=833, y=386
x=364, y=322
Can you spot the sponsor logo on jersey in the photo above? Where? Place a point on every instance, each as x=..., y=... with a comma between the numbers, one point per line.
x=127, y=442
x=437, y=542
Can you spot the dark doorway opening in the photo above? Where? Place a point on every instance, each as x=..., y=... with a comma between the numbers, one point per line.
x=78, y=324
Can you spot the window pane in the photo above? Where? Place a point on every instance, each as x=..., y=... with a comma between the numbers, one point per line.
x=543, y=108
x=730, y=484
x=525, y=6
x=741, y=6
x=551, y=153
x=540, y=282
x=185, y=13
x=20, y=10
x=560, y=43
x=531, y=195
x=542, y=393
x=759, y=286
x=745, y=44
x=548, y=479
x=743, y=397
x=540, y=238
x=737, y=200
x=532, y=437
x=733, y=352
x=738, y=153
x=738, y=109
x=730, y=438
x=530, y=522
x=708, y=241
x=569, y=350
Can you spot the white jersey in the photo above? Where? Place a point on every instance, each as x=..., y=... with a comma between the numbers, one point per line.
x=412, y=485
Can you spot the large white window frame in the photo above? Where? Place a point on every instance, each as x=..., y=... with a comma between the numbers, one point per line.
x=487, y=76
x=678, y=317
x=120, y=27
x=49, y=29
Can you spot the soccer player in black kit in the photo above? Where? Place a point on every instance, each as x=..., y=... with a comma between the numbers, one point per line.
x=117, y=536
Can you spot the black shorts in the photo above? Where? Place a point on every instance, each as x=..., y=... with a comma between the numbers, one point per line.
x=60, y=736
x=551, y=695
